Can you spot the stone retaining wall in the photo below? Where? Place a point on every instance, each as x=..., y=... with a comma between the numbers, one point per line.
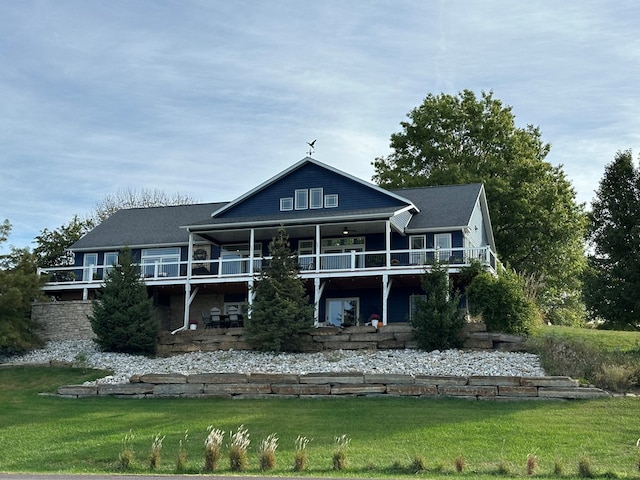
x=336, y=385
x=388, y=337
x=68, y=320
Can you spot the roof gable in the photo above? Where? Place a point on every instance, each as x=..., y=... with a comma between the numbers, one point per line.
x=352, y=193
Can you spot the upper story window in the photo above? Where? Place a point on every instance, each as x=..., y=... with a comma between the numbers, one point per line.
x=160, y=262
x=308, y=198
x=302, y=199
x=316, y=198
x=110, y=261
x=286, y=204
x=331, y=201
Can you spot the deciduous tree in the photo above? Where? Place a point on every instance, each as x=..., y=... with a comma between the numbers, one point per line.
x=538, y=225
x=612, y=283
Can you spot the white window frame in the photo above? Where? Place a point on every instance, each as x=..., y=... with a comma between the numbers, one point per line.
x=89, y=262
x=443, y=256
x=306, y=248
x=302, y=199
x=343, y=301
x=417, y=242
x=331, y=200
x=412, y=303
x=109, y=264
x=167, y=260
x=286, y=204
x=316, y=197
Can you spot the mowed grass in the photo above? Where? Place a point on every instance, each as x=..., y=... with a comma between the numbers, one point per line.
x=51, y=434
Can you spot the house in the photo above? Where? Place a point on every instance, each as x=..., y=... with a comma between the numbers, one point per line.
x=361, y=249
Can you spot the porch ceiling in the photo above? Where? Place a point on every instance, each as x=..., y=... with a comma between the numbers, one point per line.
x=294, y=231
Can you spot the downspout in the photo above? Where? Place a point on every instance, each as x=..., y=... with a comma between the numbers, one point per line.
x=188, y=296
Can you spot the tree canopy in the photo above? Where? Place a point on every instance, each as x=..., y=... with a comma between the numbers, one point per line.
x=19, y=287
x=538, y=225
x=51, y=249
x=131, y=198
x=612, y=282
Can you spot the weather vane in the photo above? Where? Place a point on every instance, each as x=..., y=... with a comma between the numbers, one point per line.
x=312, y=147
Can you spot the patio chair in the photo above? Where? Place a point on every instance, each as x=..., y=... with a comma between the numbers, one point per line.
x=215, y=318
x=206, y=319
x=234, y=317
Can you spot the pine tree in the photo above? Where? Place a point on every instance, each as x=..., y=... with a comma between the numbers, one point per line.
x=612, y=283
x=280, y=308
x=122, y=316
x=437, y=320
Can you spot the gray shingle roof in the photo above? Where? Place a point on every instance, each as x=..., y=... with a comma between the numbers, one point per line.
x=442, y=206
x=146, y=226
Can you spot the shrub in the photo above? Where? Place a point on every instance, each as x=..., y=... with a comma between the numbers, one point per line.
x=122, y=317
x=418, y=464
x=437, y=320
x=459, y=464
x=503, y=304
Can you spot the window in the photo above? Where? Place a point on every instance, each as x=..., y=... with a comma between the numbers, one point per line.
x=110, y=259
x=317, y=197
x=331, y=201
x=89, y=263
x=417, y=242
x=302, y=199
x=235, y=258
x=160, y=262
x=286, y=204
x=342, y=310
x=305, y=254
x=413, y=304
x=442, y=242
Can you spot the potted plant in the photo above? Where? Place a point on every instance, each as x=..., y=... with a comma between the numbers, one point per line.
x=193, y=324
x=374, y=319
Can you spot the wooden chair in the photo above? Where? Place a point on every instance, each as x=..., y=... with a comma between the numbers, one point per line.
x=234, y=317
x=206, y=319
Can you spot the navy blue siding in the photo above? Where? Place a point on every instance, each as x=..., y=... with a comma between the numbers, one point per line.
x=352, y=195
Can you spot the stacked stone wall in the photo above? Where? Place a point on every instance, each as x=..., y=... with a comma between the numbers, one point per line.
x=63, y=320
x=336, y=385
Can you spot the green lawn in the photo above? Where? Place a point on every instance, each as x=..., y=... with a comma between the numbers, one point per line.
x=50, y=434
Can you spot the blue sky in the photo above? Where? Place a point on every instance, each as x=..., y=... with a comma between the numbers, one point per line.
x=211, y=98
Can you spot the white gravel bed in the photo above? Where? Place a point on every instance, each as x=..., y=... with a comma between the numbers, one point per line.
x=413, y=362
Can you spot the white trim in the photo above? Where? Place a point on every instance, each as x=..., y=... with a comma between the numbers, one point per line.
x=288, y=200
x=315, y=191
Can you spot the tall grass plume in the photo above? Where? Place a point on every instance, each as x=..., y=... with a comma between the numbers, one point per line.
x=238, y=450
x=300, y=455
x=267, y=452
x=340, y=452
x=213, y=449
x=155, y=456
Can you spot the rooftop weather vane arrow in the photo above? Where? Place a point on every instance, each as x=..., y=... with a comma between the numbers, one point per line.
x=312, y=147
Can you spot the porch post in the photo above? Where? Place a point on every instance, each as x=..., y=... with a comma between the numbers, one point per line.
x=386, y=289
x=188, y=298
x=317, y=295
x=387, y=240
x=252, y=238
x=317, y=249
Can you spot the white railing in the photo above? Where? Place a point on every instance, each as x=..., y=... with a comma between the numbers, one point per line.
x=244, y=267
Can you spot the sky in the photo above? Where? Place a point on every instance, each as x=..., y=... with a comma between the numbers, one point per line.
x=209, y=99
